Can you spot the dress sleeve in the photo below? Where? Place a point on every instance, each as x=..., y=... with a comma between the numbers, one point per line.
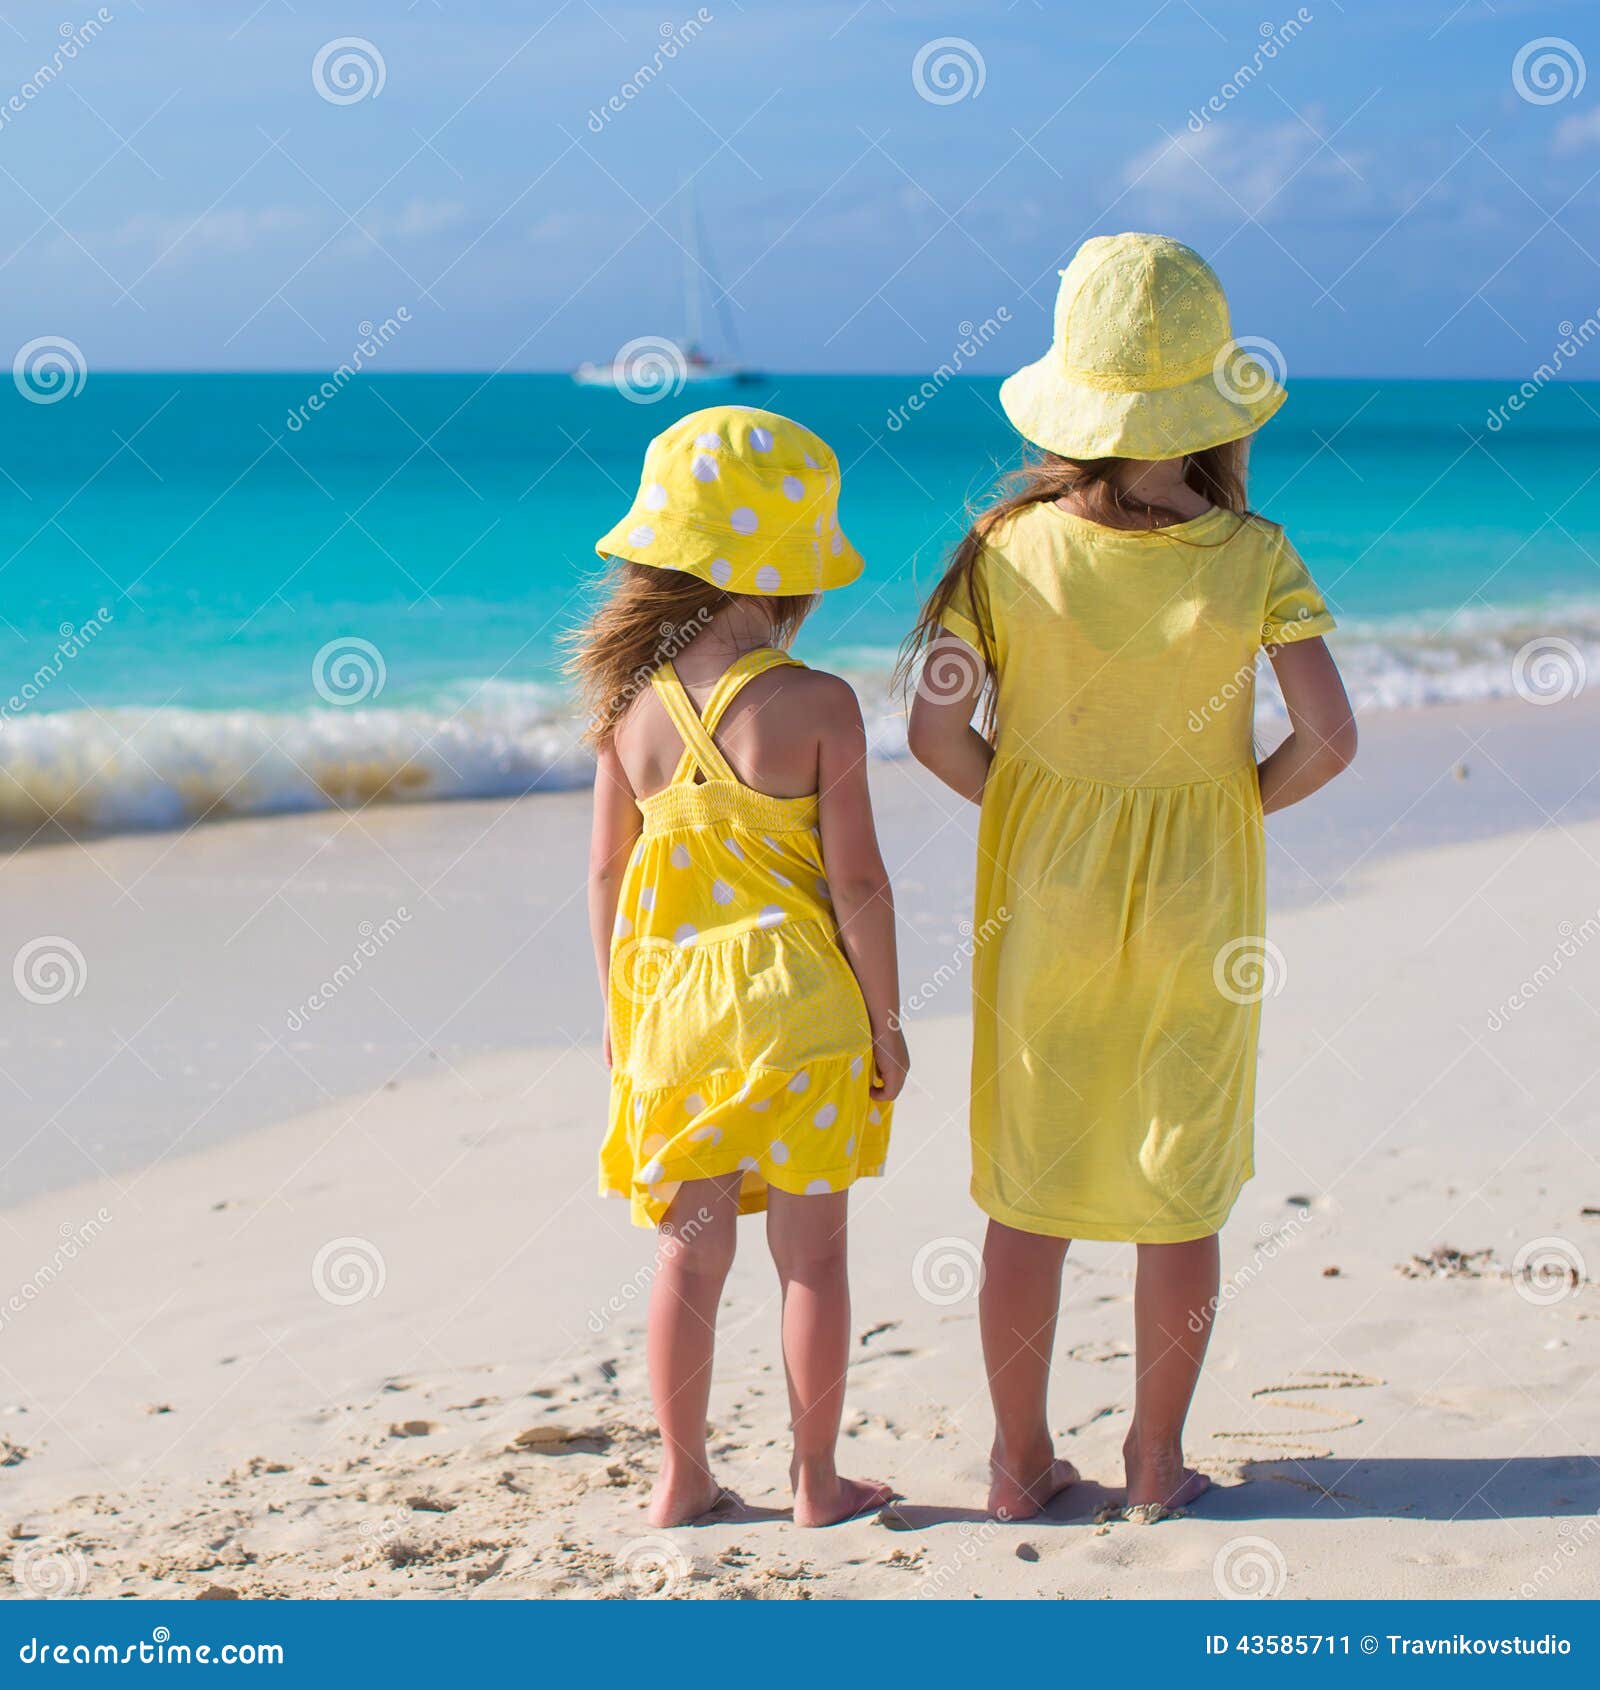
x=1295, y=609
x=968, y=609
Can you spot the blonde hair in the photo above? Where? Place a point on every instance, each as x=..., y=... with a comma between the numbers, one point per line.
x=1219, y=473
x=647, y=617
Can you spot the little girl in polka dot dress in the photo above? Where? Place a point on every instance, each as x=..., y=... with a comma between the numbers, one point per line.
x=742, y=920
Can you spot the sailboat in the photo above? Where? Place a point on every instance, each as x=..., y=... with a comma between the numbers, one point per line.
x=655, y=364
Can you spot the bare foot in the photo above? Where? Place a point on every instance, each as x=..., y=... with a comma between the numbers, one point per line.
x=1162, y=1480
x=677, y=1499
x=1018, y=1491
x=827, y=1499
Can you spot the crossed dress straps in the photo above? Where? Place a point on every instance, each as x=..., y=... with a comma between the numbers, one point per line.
x=699, y=748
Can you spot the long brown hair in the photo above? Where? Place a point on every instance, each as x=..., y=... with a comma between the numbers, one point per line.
x=1218, y=474
x=647, y=617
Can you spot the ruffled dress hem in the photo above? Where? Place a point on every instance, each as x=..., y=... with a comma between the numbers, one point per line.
x=749, y=1120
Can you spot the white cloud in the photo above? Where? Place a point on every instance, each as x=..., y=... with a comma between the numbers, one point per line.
x=1233, y=168
x=415, y=219
x=213, y=231
x=1574, y=134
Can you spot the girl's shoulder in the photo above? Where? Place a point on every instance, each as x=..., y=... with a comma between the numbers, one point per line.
x=831, y=696
x=1259, y=542
x=823, y=707
x=1019, y=527
x=1013, y=542
x=796, y=689
x=1254, y=528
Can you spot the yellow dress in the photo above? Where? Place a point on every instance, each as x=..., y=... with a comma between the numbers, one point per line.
x=739, y=1036
x=1120, y=953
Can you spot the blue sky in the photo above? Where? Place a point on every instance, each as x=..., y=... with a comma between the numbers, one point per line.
x=1380, y=199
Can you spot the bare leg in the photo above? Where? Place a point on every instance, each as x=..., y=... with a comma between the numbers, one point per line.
x=1173, y=1304
x=807, y=1236
x=694, y=1251
x=1017, y=1310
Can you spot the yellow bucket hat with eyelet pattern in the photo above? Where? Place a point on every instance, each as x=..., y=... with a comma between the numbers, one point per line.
x=1144, y=363
x=744, y=499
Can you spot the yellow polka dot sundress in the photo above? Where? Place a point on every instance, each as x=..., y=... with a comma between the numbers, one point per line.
x=739, y=1037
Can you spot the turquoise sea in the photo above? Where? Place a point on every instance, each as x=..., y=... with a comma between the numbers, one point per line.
x=204, y=609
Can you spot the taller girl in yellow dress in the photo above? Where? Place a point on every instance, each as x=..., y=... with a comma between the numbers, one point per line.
x=1111, y=603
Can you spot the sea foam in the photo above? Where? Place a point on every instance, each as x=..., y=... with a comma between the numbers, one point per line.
x=129, y=768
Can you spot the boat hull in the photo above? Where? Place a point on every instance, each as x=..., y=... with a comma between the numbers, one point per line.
x=607, y=375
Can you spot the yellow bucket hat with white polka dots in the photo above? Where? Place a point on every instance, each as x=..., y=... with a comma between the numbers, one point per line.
x=744, y=499
x=1144, y=363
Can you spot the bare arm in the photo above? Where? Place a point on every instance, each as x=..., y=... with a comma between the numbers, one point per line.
x=1322, y=742
x=863, y=902
x=616, y=827
x=940, y=732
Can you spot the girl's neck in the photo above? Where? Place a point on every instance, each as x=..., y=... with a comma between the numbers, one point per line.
x=1136, y=488
x=728, y=636
x=1160, y=484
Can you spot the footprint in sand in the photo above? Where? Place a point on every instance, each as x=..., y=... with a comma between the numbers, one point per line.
x=1108, y=1349
x=562, y=1440
x=1094, y=1419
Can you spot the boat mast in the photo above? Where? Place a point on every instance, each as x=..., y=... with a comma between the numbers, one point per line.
x=691, y=271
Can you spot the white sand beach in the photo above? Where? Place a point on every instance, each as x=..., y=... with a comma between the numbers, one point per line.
x=305, y=1288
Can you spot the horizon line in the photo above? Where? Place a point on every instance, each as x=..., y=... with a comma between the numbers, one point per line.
x=762, y=377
